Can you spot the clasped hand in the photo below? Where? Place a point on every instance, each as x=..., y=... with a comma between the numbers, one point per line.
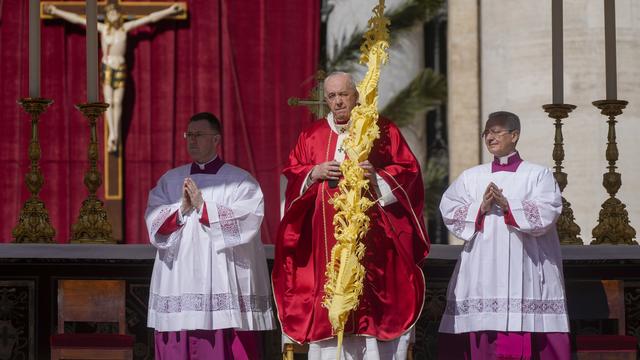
x=493, y=195
x=191, y=196
x=330, y=170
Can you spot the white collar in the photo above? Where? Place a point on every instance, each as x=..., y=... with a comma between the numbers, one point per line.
x=202, y=166
x=337, y=128
x=505, y=159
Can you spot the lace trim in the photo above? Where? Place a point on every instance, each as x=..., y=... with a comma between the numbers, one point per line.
x=459, y=218
x=523, y=306
x=165, y=243
x=229, y=226
x=162, y=216
x=532, y=214
x=209, y=303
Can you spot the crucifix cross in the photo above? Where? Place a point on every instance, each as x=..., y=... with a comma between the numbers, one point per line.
x=315, y=102
x=130, y=9
x=119, y=17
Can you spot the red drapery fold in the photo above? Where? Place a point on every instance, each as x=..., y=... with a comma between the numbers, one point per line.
x=239, y=60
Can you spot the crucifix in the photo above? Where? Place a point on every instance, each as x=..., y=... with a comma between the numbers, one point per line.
x=316, y=103
x=118, y=18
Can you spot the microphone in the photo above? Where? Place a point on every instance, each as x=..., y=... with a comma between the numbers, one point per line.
x=332, y=183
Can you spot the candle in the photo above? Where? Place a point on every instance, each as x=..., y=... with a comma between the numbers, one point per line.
x=34, y=48
x=556, y=51
x=610, y=48
x=92, y=51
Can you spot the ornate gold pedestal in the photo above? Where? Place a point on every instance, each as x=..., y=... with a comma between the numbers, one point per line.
x=613, y=223
x=568, y=230
x=34, y=225
x=92, y=225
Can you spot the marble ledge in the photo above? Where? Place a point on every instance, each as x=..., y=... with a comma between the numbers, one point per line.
x=147, y=252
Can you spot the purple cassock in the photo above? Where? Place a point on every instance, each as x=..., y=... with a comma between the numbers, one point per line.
x=220, y=344
x=489, y=345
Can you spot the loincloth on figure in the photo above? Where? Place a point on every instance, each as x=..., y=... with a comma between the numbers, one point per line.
x=114, y=76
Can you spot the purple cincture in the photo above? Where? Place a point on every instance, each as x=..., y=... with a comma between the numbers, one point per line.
x=511, y=166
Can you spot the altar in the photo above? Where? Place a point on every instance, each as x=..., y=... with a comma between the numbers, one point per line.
x=29, y=274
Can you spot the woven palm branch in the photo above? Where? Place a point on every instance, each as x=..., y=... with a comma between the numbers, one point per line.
x=345, y=273
x=402, y=18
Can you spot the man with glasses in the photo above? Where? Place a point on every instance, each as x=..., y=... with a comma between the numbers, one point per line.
x=210, y=284
x=396, y=242
x=506, y=297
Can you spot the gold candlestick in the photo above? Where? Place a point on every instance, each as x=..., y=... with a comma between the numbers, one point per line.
x=34, y=225
x=613, y=222
x=92, y=225
x=568, y=230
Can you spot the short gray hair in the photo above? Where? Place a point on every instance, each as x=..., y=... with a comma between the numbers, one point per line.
x=352, y=81
x=510, y=120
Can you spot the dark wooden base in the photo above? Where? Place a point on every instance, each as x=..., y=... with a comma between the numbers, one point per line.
x=29, y=274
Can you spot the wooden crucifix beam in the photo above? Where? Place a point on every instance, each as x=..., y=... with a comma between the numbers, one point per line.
x=130, y=10
x=315, y=102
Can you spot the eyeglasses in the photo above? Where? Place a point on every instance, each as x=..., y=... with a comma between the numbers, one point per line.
x=495, y=133
x=196, y=135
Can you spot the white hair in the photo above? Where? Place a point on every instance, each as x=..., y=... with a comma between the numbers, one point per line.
x=351, y=80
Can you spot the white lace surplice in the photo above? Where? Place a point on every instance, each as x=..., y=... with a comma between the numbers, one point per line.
x=506, y=278
x=209, y=277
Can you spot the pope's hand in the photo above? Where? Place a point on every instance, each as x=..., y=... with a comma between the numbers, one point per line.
x=369, y=171
x=329, y=170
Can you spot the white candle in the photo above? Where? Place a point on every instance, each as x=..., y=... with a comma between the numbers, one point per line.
x=34, y=48
x=610, y=48
x=556, y=51
x=92, y=51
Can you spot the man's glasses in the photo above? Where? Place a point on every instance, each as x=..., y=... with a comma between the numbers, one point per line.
x=196, y=135
x=495, y=133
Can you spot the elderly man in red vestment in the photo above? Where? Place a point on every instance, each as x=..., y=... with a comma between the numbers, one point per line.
x=396, y=242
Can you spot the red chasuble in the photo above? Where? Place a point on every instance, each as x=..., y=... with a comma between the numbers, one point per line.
x=396, y=243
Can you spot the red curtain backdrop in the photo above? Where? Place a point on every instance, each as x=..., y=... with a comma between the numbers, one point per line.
x=238, y=59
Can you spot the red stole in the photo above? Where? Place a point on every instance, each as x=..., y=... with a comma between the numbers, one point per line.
x=396, y=243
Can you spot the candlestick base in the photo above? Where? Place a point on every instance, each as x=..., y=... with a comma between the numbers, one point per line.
x=568, y=230
x=613, y=221
x=92, y=225
x=33, y=224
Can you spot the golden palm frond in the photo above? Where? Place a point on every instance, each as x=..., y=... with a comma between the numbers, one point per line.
x=345, y=273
